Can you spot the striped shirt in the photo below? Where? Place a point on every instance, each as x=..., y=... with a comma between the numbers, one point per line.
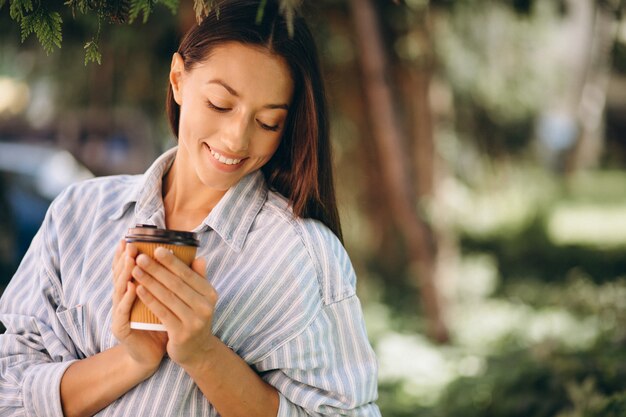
x=287, y=302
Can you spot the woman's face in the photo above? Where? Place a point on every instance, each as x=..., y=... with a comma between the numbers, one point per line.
x=233, y=109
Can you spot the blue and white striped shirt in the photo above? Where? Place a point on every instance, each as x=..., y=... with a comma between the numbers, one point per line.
x=287, y=302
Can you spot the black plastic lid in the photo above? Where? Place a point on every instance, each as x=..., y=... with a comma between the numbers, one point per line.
x=149, y=233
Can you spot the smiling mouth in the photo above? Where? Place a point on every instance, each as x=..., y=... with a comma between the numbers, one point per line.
x=226, y=161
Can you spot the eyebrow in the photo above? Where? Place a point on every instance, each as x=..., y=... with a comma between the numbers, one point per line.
x=236, y=94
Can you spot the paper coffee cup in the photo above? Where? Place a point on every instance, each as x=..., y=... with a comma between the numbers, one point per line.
x=147, y=238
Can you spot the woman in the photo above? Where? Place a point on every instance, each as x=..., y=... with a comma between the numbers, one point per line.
x=265, y=322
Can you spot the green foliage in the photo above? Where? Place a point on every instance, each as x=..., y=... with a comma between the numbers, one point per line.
x=202, y=9
x=535, y=242
x=544, y=383
x=138, y=6
x=18, y=8
x=615, y=406
x=531, y=253
x=171, y=4
x=47, y=24
x=92, y=52
x=544, y=380
x=488, y=52
x=394, y=405
x=259, y=13
x=561, y=353
x=288, y=8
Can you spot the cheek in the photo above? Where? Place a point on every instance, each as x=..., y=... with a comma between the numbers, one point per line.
x=194, y=122
x=266, y=147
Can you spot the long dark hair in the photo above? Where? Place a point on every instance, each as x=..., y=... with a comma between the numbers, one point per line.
x=301, y=169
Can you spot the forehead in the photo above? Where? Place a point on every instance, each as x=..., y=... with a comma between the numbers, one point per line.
x=250, y=70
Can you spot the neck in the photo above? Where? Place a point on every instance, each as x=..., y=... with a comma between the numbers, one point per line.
x=186, y=200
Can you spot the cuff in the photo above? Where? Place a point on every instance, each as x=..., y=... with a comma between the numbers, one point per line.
x=41, y=389
x=288, y=409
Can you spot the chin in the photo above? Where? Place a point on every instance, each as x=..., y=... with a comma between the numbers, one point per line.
x=219, y=184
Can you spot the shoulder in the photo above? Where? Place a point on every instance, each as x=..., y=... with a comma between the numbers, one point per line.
x=101, y=195
x=109, y=185
x=296, y=268
x=314, y=244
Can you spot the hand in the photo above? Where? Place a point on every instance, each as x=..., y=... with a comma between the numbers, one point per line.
x=145, y=348
x=182, y=298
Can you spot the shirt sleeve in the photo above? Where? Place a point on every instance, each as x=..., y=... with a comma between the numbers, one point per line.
x=35, y=350
x=327, y=369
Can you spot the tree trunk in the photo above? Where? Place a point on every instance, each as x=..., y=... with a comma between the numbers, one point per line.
x=424, y=148
x=593, y=87
x=393, y=157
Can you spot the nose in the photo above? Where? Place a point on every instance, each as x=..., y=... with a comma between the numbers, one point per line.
x=236, y=135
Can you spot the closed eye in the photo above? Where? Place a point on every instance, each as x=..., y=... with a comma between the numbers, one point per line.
x=216, y=108
x=268, y=127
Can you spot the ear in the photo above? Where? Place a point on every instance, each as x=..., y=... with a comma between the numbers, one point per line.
x=177, y=72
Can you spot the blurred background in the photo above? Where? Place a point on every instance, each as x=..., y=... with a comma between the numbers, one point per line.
x=480, y=148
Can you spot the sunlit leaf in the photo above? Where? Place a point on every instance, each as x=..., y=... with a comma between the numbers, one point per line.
x=92, y=53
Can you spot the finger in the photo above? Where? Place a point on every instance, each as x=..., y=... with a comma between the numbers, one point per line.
x=116, y=270
x=168, y=288
x=188, y=306
x=195, y=278
x=119, y=250
x=121, y=316
x=131, y=250
x=176, y=284
x=127, y=249
x=116, y=265
x=126, y=303
x=124, y=276
x=169, y=319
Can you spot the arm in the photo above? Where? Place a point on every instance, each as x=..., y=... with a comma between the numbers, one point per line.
x=35, y=350
x=40, y=370
x=228, y=382
x=328, y=369
x=225, y=379
x=232, y=386
x=112, y=373
x=108, y=374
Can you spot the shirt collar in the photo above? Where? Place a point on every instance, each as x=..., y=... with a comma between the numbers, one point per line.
x=234, y=214
x=231, y=218
x=146, y=194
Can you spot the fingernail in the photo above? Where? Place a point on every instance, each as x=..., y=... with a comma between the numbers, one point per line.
x=161, y=252
x=143, y=260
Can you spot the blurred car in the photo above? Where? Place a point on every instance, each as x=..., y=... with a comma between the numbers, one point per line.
x=31, y=176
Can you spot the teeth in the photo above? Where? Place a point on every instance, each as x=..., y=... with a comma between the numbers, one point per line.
x=223, y=159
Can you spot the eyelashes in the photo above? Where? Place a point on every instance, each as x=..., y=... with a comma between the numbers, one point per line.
x=270, y=128
x=218, y=109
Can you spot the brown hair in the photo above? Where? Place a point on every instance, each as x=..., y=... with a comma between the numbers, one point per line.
x=301, y=169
